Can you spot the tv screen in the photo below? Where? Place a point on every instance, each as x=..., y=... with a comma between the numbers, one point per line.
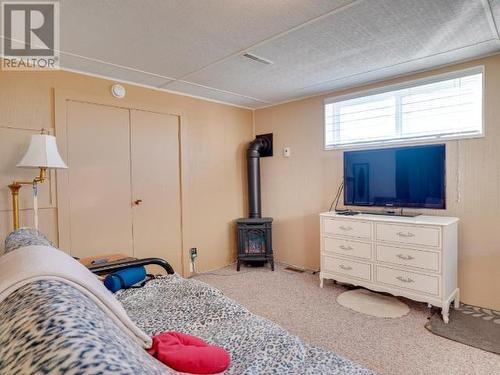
x=396, y=177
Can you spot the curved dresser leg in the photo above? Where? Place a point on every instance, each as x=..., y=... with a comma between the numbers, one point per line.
x=456, y=302
x=445, y=311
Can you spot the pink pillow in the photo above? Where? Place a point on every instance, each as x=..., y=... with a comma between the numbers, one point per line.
x=186, y=353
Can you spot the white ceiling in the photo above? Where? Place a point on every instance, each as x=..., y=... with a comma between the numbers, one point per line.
x=195, y=46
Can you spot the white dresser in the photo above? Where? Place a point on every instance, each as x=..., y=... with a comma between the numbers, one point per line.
x=413, y=257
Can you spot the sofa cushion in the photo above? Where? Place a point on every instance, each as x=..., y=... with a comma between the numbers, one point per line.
x=25, y=237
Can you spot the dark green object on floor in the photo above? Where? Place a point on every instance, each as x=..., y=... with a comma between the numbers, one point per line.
x=470, y=325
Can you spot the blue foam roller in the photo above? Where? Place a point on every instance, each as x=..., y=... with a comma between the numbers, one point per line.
x=124, y=278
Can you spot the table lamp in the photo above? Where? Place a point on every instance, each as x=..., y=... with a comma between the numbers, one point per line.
x=43, y=154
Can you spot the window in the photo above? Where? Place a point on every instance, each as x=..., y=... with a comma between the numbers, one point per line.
x=435, y=108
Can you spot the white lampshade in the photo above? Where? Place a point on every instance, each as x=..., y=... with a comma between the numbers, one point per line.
x=42, y=153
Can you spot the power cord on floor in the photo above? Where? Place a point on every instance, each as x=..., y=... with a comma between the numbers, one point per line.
x=220, y=274
x=211, y=273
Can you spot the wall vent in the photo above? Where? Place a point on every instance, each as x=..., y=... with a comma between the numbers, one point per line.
x=257, y=58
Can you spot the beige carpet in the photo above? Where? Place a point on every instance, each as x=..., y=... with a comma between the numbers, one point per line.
x=387, y=346
x=374, y=304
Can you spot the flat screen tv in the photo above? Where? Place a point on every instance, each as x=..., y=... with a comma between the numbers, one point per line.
x=396, y=177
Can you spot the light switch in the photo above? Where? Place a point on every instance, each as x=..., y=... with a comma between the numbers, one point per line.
x=287, y=152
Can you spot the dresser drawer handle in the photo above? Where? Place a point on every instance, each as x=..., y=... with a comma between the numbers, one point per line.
x=346, y=268
x=344, y=247
x=405, y=234
x=405, y=257
x=345, y=228
x=407, y=280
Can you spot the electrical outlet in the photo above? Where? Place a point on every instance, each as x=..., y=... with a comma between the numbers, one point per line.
x=287, y=152
x=194, y=253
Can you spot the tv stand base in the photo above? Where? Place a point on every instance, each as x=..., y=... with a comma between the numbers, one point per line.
x=391, y=213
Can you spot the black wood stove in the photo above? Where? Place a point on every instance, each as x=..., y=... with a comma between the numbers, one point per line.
x=255, y=233
x=255, y=240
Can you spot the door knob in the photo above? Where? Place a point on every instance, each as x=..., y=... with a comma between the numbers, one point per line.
x=137, y=202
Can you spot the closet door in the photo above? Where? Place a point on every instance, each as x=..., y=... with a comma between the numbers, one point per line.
x=100, y=216
x=156, y=186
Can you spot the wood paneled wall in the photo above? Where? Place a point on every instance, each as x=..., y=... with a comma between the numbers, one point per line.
x=296, y=189
x=214, y=137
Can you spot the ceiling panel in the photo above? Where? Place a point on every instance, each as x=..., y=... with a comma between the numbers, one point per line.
x=359, y=43
x=111, y=71
x=316, y=46
x=495, y=8
x=205, y=92
x=175, y=37
x=393, y=71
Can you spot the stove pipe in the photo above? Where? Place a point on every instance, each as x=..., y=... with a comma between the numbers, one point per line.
x=253, y=169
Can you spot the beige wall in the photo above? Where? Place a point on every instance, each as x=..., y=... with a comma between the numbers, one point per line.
x=213, y=135
x=296, y=189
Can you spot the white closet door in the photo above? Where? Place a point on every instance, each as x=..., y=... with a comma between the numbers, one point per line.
x=100, y=217
x=156, y=186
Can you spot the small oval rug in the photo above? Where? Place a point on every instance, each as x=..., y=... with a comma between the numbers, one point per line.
x=374, y=304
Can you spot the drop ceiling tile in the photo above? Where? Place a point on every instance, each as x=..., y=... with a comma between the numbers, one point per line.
x=365, y=38
x=204, y=92
x=175, y=37
x=495, y=10
x=111, y=71
x=393, y=71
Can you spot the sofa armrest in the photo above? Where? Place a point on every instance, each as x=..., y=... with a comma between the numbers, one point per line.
x=107, y=268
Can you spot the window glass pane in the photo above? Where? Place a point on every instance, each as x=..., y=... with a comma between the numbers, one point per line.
x=444, y=108
x=361, y=119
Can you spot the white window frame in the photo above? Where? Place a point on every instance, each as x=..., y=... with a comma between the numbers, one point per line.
x=403, y=85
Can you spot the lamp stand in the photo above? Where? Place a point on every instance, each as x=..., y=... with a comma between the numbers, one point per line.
x=14, y=189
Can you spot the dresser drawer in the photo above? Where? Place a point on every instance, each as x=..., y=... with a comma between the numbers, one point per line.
x=427, y=260
x=423, y=236
x=408, y=280
x=348, y=247
x=351, y=228
x=347, y=267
